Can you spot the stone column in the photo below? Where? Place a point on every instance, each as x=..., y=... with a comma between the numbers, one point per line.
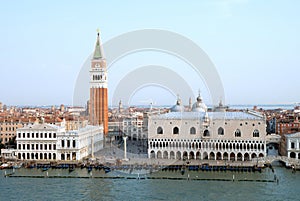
x=125, y=148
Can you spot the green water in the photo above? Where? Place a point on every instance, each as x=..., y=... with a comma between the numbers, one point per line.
x=149, y=189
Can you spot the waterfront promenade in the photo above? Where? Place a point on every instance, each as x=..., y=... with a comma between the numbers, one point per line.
x=112, y=154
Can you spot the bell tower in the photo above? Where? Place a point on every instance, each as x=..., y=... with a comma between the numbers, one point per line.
x=98, y=104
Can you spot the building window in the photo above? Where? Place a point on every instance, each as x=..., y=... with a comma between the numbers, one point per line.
x=19, y=135
x=160, y=130
x=32, y=147
x=32, y=135
x=45, y=146
x=28, y=135
x=50, y=135
x=54, y=135
x=54, y=147
x=37, y=135
x=28, y=146
x=193, y=131
x=68, y=143
x=19, y=146
x=41, y=147
x=292, y=145
x=45, y=135
x=206, y=133
x=23, y=146
x=74, y=143
x=237, y=133
x=37, y=147
x=41, y=135
x=23, y=135
x=50, y=146
x=255, y=133
x=220, y=131
x=62, y=143
x=175, y=130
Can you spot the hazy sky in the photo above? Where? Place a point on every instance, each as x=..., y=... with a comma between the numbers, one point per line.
x=254, y=45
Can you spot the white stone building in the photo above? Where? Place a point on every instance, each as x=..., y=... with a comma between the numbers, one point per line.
x=200, y=135
x=37, y=142
x=77, y=144
x=133, y=128
x=50, y=142
x=293, y=145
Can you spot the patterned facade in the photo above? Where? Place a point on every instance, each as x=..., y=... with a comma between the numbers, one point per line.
x=201, y=135
x=50, y=143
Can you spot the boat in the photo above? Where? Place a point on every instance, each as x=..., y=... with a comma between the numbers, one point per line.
x=45, y=169
x=71, y=168
x=17, y=166
x=5, y=166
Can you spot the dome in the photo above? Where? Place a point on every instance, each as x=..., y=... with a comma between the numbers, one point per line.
x=178, y=107
x=199, y=106
x=199, y=99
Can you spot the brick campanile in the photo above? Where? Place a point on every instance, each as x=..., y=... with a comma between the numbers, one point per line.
x=98, y=108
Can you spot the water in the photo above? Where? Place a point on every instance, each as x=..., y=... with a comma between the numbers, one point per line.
x=133, y=189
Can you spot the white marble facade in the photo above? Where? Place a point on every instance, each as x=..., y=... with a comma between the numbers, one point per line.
x=50, y=143
x=201, y=135
x=293, y=145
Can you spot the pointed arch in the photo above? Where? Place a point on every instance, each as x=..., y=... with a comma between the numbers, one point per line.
x=238, y=133
x=160, y=130
x=175, y=130
x=255, y=133
x=220, y=131
x=206, y=133
x=193, y=131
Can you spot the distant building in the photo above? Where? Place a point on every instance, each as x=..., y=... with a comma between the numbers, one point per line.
x=284, y=127
x=9, y=126
x=133, y=128
x=271, y=126
x=202, y=135
x=42, y=141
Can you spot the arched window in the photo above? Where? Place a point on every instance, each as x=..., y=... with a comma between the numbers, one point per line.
x=206, y=133
x=175, y=130
x=255, y=133
x=160, y=130
x=193, y=131
x=237, y=133
x=221, y=131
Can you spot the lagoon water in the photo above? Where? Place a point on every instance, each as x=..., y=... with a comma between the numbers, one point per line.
x=288, y=188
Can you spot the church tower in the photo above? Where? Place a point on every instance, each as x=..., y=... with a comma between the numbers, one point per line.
x=98, y=104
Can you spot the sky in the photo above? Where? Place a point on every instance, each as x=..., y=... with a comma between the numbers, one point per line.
x=253, y=44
